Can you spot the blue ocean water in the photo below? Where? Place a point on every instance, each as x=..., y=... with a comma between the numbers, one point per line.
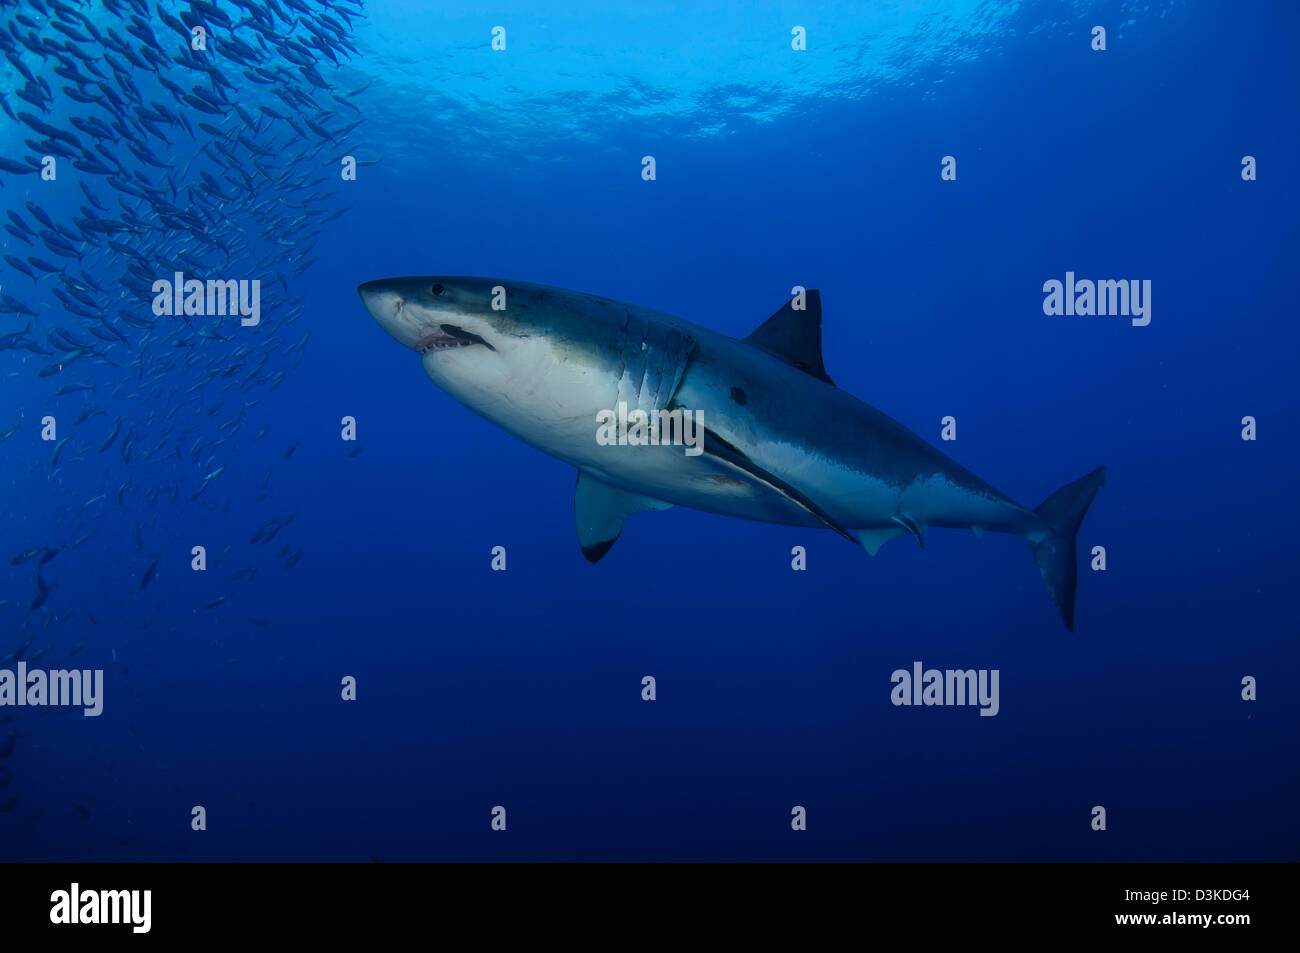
x=522, y=689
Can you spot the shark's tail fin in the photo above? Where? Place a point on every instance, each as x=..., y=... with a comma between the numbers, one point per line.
x=1054, y=548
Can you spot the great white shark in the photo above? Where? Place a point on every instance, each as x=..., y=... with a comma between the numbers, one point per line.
x=781, y=443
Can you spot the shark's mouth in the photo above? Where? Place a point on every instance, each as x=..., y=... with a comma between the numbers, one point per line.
x=449, y=336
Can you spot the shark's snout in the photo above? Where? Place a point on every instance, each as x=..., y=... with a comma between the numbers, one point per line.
x=386, y=305
x=416, y=313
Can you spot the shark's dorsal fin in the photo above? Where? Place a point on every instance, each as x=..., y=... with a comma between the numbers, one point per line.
x=796, y=336
x=600, y=511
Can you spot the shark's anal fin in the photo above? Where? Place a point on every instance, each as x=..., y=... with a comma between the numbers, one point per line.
x=796, y=336
x=718, y=449
x=599, y=510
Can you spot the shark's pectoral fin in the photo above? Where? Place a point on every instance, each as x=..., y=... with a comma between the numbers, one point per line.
x=599, y=510
x=873, y=539
x=720, y=450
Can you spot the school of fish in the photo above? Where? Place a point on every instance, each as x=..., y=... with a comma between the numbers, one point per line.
x=138, y=141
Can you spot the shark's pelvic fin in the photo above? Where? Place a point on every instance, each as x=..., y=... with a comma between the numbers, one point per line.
x=718, y=449
x=600, y=511
x=909, y=525
x=795, y=336
x=873, y=539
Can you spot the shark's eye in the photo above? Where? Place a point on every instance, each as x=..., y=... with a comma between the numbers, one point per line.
x=437, y=289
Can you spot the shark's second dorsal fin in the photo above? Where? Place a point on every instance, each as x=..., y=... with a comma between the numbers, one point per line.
x=796, y=336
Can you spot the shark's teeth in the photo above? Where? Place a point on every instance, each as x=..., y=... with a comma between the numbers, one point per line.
x=449, y=336
x=439, y=341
